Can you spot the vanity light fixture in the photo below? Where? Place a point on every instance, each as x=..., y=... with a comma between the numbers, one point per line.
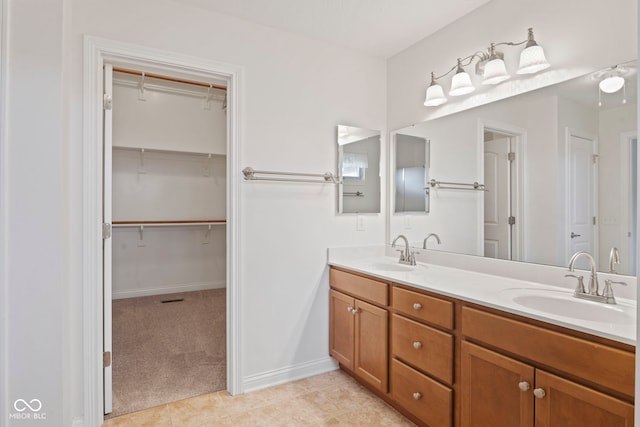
x=490, y=66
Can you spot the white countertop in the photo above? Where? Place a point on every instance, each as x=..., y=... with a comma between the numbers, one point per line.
x=494, y=291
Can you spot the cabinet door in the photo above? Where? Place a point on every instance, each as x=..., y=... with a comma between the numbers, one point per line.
x=567, y=404
x=371, y=350
x=342, y=328
x=491, y=390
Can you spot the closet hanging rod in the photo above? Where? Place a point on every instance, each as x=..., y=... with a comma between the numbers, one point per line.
x=169, y=79
x=176, y=222
x=457, y=185
x=250, y=175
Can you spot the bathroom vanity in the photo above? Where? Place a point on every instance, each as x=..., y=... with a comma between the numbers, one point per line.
x=450, y=347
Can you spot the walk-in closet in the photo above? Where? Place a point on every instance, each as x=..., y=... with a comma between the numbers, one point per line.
x=165, y=180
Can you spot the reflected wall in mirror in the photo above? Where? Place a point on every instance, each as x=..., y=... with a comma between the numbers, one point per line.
x=359, y=168
x=560, y=167
x=411, y=173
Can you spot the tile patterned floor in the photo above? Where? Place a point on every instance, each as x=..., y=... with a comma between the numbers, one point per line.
x=331, y=399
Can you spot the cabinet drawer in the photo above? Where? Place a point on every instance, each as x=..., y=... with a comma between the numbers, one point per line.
x=360, y=287
x=423, y=347
x=425, y=398
x=598, y=363
x=423, y=307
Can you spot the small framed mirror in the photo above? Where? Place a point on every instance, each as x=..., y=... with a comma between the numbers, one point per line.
x=411, y=173
x=359, y=168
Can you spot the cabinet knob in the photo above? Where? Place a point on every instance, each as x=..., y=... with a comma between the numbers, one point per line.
x=417, y=345
x=350, y=309
x=417, y=395
x=524, y=386
x=539, y=393
x=417, y=306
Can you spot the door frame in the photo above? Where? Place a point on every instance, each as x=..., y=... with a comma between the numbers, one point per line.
x=518, y=203
x=566, y=227
x=97, y=51
x=626, y=251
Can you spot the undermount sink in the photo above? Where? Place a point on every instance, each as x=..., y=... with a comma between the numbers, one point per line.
x=393, y=266
x=563, y=303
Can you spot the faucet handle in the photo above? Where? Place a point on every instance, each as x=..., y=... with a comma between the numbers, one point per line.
x=580, y=287
x=412, y=257
x=608, y=290
x=401, y=255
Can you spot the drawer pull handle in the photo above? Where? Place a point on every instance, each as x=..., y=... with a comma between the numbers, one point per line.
x=417, y=306
x=524, y=386
x=417, y=345
x=539, y=393
x=417, y=395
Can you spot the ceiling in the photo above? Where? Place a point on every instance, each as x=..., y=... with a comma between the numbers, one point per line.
x=381, y=28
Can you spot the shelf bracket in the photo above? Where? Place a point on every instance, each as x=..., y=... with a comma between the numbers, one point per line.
x=207, y=235
x=206, y=103
x=206, y=167
x=141, y=162
x=141, y=96
x=141, y=236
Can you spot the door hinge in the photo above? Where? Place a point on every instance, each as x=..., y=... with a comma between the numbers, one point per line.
x=511, y=220
x=511, y=156
x=107, y=102
x=595, y=158
x=106, y=359
x=106, y=230
x=594, y=220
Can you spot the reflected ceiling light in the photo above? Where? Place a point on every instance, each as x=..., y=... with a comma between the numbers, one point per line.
x=611, y=80
x=611, y=84
x=435, y=94
x=490, y=65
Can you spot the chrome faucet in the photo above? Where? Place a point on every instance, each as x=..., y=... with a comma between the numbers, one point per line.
x=614, y=258
x=406, y=257
x=424, y=244
x=593, y=280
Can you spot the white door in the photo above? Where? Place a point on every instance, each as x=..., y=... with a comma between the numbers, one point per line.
x=106, y=251
x=497, y=209
x=581, y=209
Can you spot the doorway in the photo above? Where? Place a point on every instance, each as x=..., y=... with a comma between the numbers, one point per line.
x=502, y=218
x=164, y=196
x=581, y=229
x=98, y=52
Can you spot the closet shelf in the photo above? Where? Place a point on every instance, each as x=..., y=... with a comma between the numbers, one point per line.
x=121, y=224
x=158, y=150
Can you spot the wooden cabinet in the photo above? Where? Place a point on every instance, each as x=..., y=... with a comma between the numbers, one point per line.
x=499, y=390
x=453, y=363
x=358, y=332
x=422, y=356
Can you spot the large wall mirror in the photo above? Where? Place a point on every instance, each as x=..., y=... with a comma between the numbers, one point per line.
x=559, y=165
x=359, y=168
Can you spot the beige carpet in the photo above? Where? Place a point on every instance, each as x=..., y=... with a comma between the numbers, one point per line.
x=163, y=352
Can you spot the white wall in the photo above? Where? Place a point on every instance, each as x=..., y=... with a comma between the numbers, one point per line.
x=295, y=91
x=38, y=224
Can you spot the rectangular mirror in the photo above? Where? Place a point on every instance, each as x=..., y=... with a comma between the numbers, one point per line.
x=559, y=166
x=411, y=173
x=359, y=169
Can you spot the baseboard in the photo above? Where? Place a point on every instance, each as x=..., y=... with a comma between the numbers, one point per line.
x=186, y=287
x=288, y=374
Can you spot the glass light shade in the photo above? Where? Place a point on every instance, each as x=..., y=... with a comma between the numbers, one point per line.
x=611, y=84
x=461, y=84
x=495, y=72
x=435, y=96
x=532, y=60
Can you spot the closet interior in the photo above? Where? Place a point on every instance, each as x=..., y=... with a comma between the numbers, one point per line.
x=168, y=239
